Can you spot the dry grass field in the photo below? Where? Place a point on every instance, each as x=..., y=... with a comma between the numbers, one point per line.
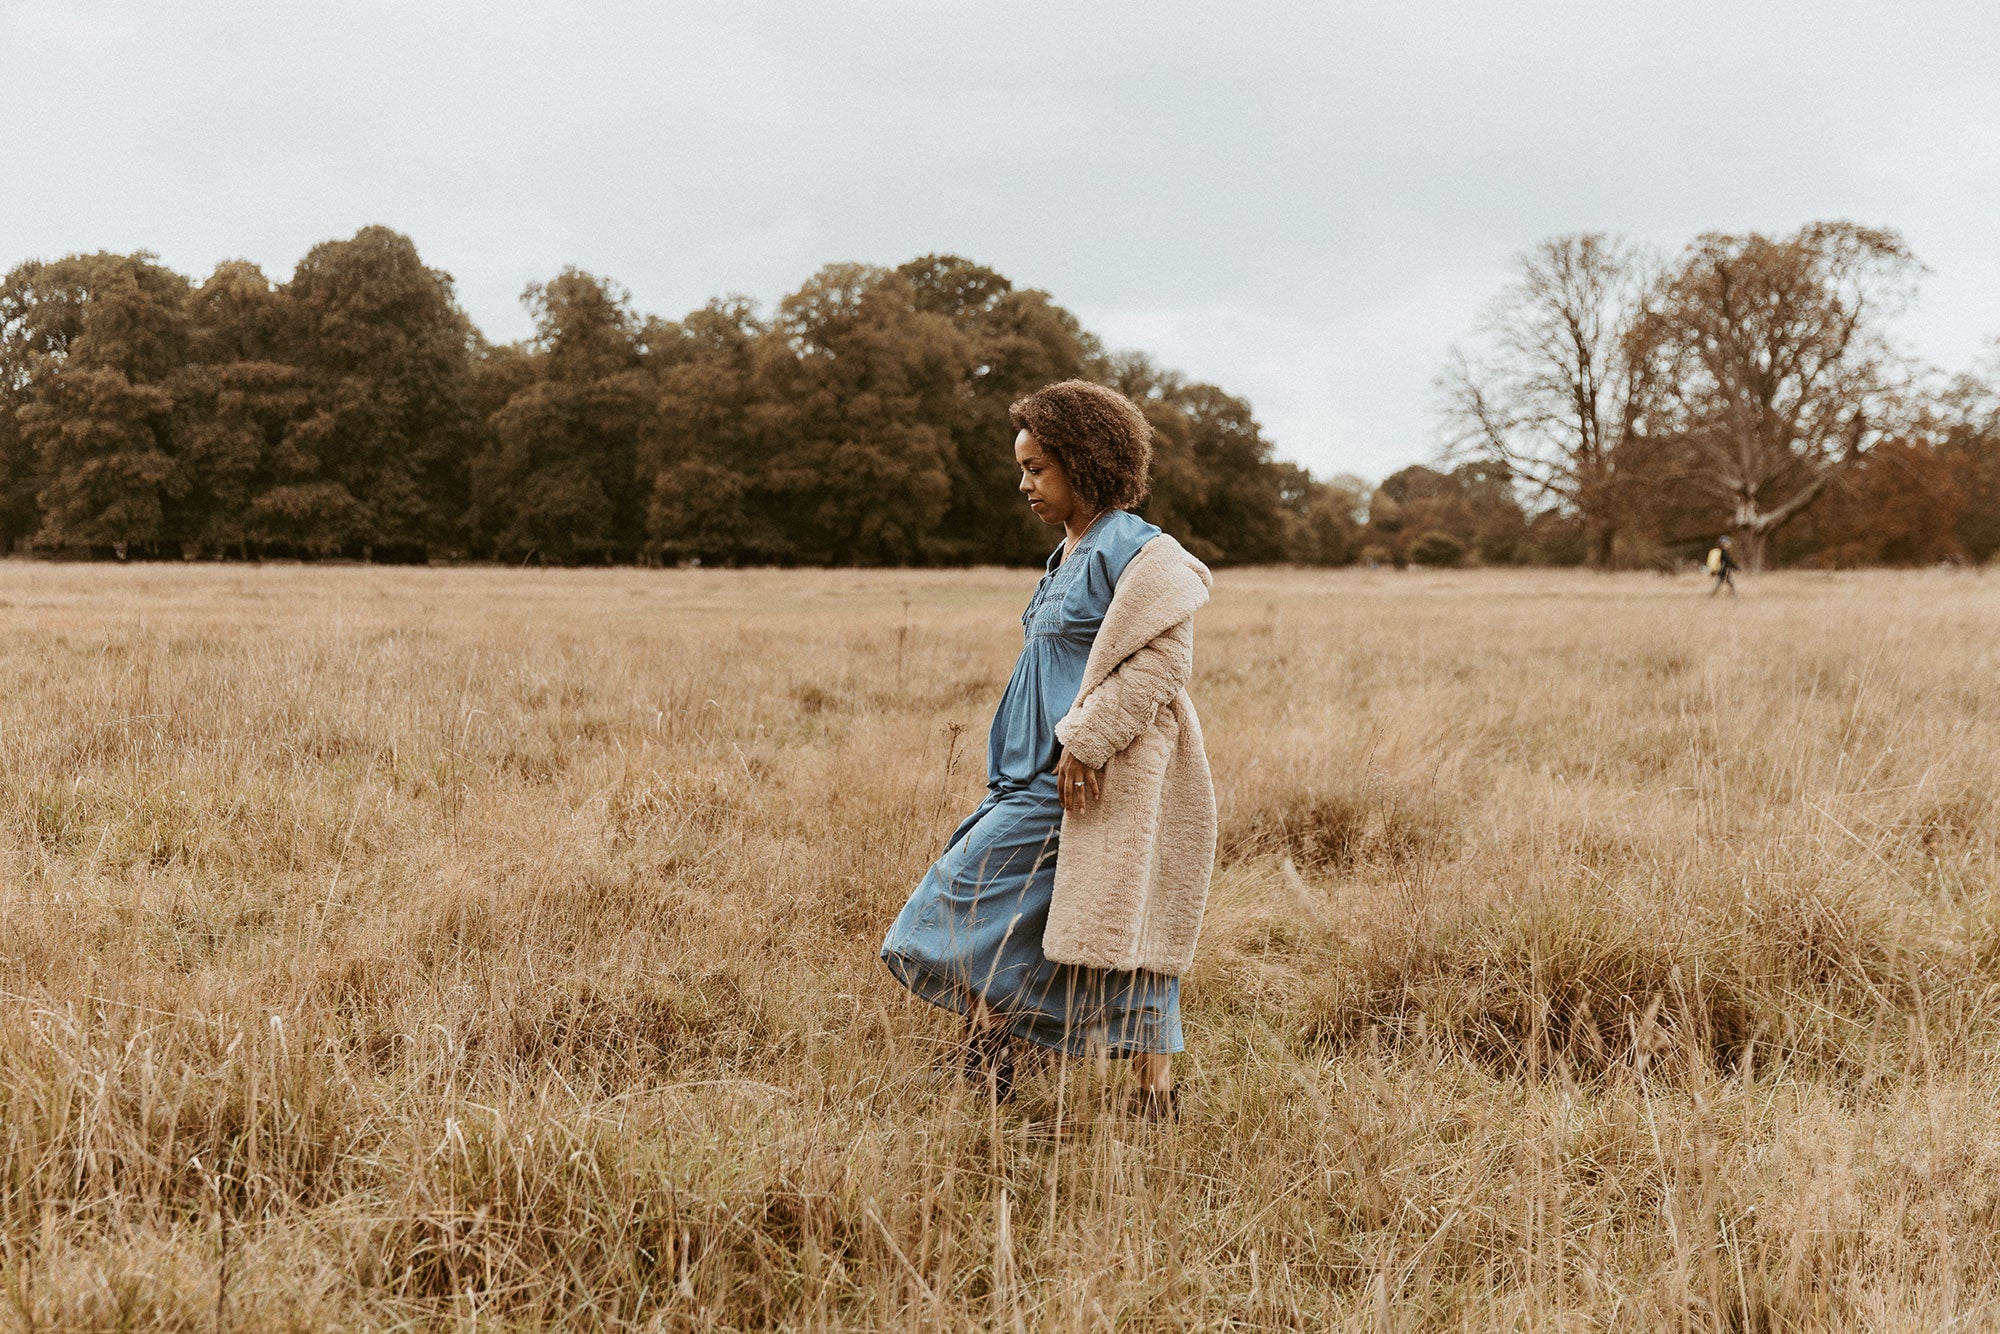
x=409, y=949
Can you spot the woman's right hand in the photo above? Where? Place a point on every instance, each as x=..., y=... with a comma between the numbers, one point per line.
x=1077, y=784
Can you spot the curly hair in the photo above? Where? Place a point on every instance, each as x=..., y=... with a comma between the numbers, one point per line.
x=1099, y=438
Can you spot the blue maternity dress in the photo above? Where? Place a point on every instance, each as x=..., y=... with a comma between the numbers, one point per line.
x=973, y=927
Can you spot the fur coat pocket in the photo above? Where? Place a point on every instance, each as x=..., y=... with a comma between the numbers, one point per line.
x=1105, y=868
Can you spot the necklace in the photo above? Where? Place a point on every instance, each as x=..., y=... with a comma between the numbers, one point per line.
x=1070, y=543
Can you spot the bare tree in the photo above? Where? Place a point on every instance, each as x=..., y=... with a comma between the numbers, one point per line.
x=1552, y=389
x=1774, y=364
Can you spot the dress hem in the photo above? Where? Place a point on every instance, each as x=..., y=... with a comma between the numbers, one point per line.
x=925, y=986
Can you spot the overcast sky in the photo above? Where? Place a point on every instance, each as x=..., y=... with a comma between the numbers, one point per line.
x=1305, y=203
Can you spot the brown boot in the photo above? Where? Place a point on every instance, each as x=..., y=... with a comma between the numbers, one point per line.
x=989, y=1060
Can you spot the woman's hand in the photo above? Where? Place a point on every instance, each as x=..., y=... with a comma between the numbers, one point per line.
x=1077, y=784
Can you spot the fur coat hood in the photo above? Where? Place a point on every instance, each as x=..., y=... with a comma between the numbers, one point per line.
x=1132, y=875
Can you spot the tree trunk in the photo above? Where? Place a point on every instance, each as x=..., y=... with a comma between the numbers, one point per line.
x=1754, y=526
x=1600, y=537
x=1750, y=547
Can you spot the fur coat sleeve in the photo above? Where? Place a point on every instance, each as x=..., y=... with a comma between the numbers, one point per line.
x=1132, y=876
x=1126, y=702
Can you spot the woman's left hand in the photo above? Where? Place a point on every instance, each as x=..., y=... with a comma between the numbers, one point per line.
x=1077, y=783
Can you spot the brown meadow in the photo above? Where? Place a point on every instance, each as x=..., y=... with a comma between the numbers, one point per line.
x=485, y=948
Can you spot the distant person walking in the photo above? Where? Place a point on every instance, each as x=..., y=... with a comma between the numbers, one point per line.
x=1066, y=906
x=1722, y=567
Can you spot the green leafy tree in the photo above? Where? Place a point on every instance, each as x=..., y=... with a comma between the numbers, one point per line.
x=1216, y=484
x=560, y=477
x=705, y=440
x=242, y=420
x=1409, y=501
x=1323, y=518
x=354, y=409
x=97, y=404
x=235, y=425
x=1241, y=507
x=1436, y=548
x=19, y=516
x=41, y=314
x=107, y=478
x=238, y=315
x=857, y=397
x=388, y=358
x=500, y=371
x=1180, y=488
x=1019, y=340
x=1473, y=504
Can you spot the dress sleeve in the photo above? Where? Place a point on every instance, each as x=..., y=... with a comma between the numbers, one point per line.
x=1101, y=564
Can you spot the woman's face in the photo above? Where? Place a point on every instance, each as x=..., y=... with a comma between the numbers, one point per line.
x=1043, y=483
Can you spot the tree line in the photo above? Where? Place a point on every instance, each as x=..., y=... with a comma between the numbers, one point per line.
x=1612, y=409
x=1748, y=385
x=354, y=410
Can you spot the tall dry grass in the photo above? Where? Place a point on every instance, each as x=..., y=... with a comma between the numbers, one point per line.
x=406, y=949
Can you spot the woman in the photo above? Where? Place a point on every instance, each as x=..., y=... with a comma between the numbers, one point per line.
x=1095, y=750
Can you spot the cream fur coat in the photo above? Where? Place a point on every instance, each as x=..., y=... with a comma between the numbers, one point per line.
x=1132, y=875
